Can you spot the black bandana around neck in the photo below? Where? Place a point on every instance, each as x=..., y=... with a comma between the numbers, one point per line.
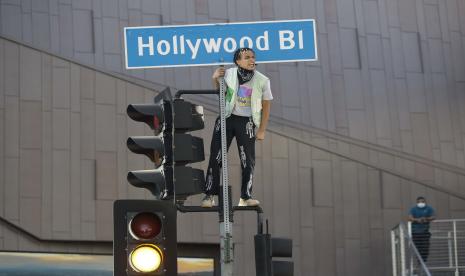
x=244, y=75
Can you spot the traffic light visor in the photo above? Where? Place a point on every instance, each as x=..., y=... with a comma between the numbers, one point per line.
x=146, y=258
x=156, y=116
x=145, y=226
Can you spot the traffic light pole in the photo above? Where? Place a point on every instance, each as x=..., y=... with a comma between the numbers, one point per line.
x=226, y=242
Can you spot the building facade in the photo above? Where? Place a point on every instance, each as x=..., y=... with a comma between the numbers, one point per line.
x=354, y=137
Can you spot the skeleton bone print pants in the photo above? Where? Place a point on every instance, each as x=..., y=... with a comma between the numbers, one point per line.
x=243, y=129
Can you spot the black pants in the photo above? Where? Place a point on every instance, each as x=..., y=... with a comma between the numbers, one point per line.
x=243, y=129
x=421, y=241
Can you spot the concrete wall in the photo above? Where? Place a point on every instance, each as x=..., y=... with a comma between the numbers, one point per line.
x=354, y=137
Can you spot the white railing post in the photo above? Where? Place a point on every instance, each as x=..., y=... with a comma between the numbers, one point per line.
x=455, y=249
x=394, y=255
x=450, y=246
x=409, y=232
x=402, y=251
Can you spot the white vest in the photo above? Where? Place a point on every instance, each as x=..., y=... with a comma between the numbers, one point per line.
x=257, y=82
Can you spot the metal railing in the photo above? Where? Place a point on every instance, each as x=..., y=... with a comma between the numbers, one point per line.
x=439, y=250
x=406, y=260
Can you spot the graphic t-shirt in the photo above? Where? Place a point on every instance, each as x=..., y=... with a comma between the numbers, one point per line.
x=242, y=107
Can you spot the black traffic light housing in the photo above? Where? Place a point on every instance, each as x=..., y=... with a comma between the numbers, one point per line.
x=171, y=149
x=266, y=248
x=147, y=226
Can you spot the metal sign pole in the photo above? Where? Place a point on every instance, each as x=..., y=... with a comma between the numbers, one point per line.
x=227, y=258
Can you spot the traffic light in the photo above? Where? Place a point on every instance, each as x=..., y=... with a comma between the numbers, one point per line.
x=170, y=149
x=145, y=241
x=266, y=248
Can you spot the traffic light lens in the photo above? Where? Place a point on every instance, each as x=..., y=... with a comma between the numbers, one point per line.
x=145, y=226
x=156, y=123
x=146, y=258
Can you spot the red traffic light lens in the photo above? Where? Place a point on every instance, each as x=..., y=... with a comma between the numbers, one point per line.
x=156, y=123
x=145, y=226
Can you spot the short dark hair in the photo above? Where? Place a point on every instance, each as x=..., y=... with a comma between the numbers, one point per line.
x=421, y=197
x=238, y=52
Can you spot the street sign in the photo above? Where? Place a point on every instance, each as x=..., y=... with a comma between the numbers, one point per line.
x=210, y=44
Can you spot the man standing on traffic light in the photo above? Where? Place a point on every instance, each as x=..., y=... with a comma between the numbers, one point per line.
x=248, y=100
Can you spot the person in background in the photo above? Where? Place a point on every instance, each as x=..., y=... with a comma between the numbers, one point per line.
x=421, y=215
x=248, y=100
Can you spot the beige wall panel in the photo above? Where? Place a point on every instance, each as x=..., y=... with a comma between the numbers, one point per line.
x=391, y=190
x=351, y=200
x=105, y=89
x=11, y=201
x=448, y=153
x=304, y=152
x=375, y=199
x=338, y=197
x=442, y=108
x=75, y=87
x=30, y=167
x=75, y=175
x=2, y=74
x=10, y=239
x=87, y=83
x=249, y=229
x=364, y=208
x=30, y=74
x=107, y=185
x=87, y=129
x=308, y=251
x=105, y=123
x=281, y=198
x=28, y=214
x=358, y=124
x=267, y=175
x=294, y=179
x=322, y=183
x=353, y=258
x=61, y=129
x=279, y=147
x=11, y=67
x=239, y=259
x=104, y=221
x=30, y=124
x=61, y=194
x=2, y=161
x=121, y=92
x=88, y=190
x=46, y=173
x=46, y=82
x=380, y=104
x=421, y=138
x=88, y=230
x=12, y=123
x=305, y=198
x=379, y=253
x=325, y=260
x=61, y=83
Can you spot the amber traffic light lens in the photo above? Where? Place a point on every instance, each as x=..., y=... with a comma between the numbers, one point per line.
x=145, y=226
x=146, y=258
